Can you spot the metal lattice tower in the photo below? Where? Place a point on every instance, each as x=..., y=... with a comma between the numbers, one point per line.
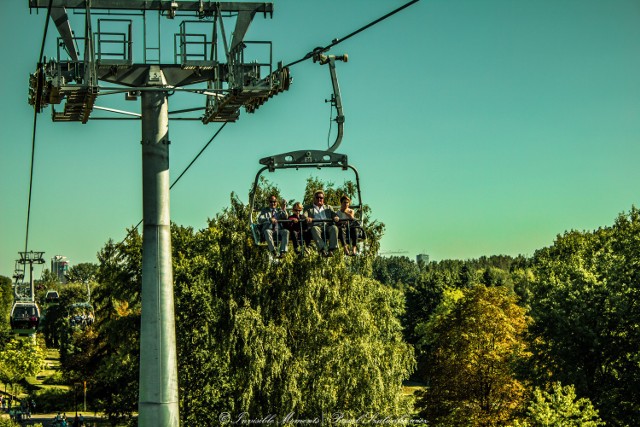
x=30, y=258
x=205, y=61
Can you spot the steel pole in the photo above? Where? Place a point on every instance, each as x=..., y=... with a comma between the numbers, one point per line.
x=158, y=399
x=32, y=288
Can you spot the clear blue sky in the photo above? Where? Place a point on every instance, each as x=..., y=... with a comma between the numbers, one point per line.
x=478, y=127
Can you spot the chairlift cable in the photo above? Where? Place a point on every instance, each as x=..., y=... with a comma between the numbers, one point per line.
x=198, y=155
x=33, y=134
x=181, y=174
x=337, y=41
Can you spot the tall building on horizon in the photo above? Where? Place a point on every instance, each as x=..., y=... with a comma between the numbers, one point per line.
x=59, y=267
x=424, y=258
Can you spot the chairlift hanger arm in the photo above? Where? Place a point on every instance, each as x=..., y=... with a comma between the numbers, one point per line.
x=60, y=18
x=336, y=98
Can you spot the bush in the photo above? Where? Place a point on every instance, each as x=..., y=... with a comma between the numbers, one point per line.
x=56, y=378
x=53, y=400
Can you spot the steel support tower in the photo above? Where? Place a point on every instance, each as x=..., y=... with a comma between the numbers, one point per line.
x=227, y=81
x=158, y=396
x=30, y=258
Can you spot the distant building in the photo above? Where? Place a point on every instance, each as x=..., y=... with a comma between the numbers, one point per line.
x=424, y=258
x=59, y=267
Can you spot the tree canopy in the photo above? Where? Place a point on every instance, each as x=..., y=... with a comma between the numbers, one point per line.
x=476, y=339
x=586, y=329
x=324, y=338
x=306, y=336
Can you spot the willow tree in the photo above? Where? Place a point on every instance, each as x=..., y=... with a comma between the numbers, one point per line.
x=307, y=336
x=303, y=338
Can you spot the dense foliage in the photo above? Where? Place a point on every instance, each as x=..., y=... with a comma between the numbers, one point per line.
x=475, y=341
x=304, y=337
x=560, y=407
x=494, y=337
x=6, y=301
x=586, y=329
x=20, y=358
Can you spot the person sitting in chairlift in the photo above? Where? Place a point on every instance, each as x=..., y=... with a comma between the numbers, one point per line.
x=317, y=213
x=297, y=226
x=348, y=227
x=268, y=220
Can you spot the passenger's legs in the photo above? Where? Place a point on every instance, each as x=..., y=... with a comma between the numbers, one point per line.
x=284, y=240
x=268, y=237
x=332, y=230
x=316, y=233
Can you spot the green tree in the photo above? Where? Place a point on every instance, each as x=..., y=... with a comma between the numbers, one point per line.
x=397, y=271
x=560, y=408
x=586, y=328
x=83, y=272
x=424, y=291
x=421, y=300
x=6, y=302
x=476, y=341
x=308, y=336
x=106, y=354
x=19, y=359
x=113, y=355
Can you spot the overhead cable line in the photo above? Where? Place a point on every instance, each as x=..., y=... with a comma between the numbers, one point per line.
x=337, y=41
x=35, y=125
x=181, y=174
x=198, y=155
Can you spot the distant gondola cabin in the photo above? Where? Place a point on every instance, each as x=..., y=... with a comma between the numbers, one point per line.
x=25, y=317
x=52, y=297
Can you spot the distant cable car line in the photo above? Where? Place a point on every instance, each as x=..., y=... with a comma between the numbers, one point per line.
x=25, y=315
x=33, y=134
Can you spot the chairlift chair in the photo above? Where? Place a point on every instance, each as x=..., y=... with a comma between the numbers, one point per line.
x=317, y=159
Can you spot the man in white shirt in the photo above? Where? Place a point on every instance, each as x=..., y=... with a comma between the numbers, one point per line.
x=322, y=221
